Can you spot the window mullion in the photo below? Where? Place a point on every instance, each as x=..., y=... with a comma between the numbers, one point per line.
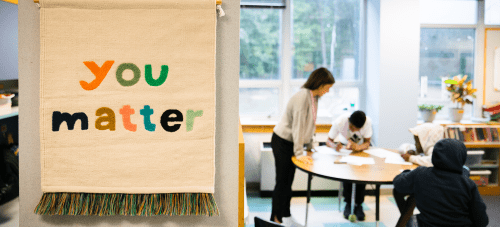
x=286, y=50
x=478, y=58
x=448, y=26
x=260, y=83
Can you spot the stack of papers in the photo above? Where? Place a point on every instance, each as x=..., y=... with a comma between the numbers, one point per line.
x=396, y=159
x=381, y=153
x=331, y=151
x=390, y=157
x=354, y=160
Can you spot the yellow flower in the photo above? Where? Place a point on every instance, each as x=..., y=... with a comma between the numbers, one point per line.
x=460, y=92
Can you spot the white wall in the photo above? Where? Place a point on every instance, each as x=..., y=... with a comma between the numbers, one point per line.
x=392, y=69
x=373, y=66
x=492, y=42
x=226, y=154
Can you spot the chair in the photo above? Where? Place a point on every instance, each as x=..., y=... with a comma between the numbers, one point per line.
x=259, y=222
x=407, y=211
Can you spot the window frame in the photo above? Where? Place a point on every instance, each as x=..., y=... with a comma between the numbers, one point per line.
x=286, y=83
x=478, y=62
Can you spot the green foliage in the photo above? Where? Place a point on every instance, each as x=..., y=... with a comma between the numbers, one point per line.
x=430, y=107
x=314, y=19
x=313, y=24
x=259, y=43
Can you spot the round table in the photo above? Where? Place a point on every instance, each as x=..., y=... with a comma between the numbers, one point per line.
x=327, y=166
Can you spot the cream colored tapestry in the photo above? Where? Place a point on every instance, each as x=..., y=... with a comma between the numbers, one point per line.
x=127, y=107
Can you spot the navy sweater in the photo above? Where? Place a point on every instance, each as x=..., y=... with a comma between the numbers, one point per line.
x=444, y=194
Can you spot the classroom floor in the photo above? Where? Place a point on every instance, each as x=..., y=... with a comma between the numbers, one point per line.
x=323, y=211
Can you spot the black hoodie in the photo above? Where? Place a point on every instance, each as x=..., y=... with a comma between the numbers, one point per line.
x=444, y=194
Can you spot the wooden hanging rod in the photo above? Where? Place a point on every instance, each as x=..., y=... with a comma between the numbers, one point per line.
x=218, y=2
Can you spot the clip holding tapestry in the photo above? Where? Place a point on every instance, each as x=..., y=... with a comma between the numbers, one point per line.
x=221, y=12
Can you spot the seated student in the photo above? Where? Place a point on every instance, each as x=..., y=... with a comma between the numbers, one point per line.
x=444, y=194
x=426, y=136
x=356, y=128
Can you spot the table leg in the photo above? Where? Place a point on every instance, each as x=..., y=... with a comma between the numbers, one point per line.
x=352, y=217
x=377, y=202
x=309, y=179
x=341, y=188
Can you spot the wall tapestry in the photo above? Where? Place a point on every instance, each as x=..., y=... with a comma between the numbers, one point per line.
x=127, y=107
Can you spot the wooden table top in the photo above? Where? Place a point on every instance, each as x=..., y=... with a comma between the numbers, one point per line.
x=379, y=173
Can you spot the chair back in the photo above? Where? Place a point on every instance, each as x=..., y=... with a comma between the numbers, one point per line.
x=407, y=211
x=259, y=222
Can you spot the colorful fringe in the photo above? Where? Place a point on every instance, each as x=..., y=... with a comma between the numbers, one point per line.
x=89, y=204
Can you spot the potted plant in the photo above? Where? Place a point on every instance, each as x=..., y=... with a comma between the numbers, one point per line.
x=429, y=111
x=461, y=93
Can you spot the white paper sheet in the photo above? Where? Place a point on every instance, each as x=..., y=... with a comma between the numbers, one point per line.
x=354, y=160
x=379, y=152
x=331, y=151
x=396, y=159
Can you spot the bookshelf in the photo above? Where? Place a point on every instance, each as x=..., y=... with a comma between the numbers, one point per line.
x=484, y=137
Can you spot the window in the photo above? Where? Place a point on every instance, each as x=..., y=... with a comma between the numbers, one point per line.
x=311, y=34
x=492, y=12
x=448, y=12
x=444, y=53
x=447, y=49
x=260, y=42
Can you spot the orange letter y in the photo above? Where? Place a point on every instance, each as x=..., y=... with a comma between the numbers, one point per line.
x=99, y=73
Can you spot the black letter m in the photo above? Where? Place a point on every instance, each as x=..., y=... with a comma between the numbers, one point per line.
x=58, y=118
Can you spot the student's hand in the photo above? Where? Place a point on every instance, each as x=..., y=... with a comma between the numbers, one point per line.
x=356, y=147
x=351, y=145
x=305, y=159
x=339, y=146
x=330, y=143
x=411, y=152
x=406, y=156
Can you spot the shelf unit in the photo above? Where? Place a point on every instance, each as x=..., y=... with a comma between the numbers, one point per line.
x=491, y=157
x=14, y=111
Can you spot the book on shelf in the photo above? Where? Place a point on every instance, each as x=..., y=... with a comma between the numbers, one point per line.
x=488, y=134
x=466, y=134
x=494, y=135
x=493, y=107
x=460, y=135
x=473, y=134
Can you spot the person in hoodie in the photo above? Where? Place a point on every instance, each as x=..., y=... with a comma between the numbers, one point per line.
x=444, y=194
x=426, y=136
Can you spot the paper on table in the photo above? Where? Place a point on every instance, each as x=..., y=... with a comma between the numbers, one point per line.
x=379, y=152
x=354, y=160
x=344, y=151
x=329, y=150
x=396, y=159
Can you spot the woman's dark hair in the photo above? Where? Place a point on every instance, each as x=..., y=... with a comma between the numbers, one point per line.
x=319, y=77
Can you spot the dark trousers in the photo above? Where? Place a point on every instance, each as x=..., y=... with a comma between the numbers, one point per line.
x=400, y=200
x=285, y=171
x=403, y=204
x=360, y=193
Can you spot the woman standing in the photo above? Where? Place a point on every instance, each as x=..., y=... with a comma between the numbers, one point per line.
x=295, y=130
